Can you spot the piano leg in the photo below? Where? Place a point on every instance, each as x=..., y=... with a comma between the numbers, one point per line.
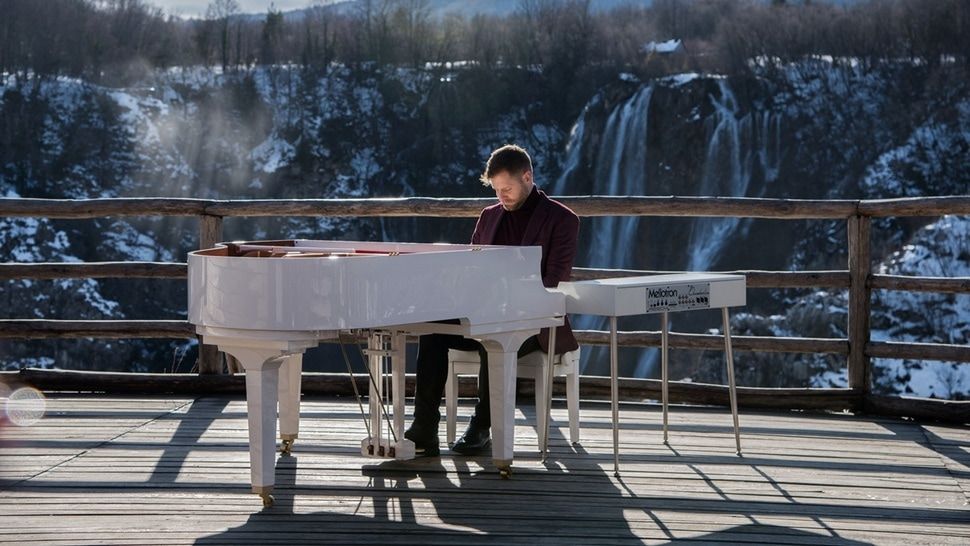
x=502, y=361
x=290, y=374
x=262, y=388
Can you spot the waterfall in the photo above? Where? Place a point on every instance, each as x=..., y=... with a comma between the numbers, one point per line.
x=574, y=150
x=734, y=149
x=619, y=170
x=740, y=156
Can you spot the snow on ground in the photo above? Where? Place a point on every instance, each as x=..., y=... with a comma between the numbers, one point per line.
x=272, y=154
x=140, y=114
x=668, y=46
x=33, y=240
x=940, y=249
x=677, y=80
x=127, y=242
x=927, y=378
x=931, y=146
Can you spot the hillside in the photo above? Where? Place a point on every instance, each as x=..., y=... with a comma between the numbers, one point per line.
x=816, y=129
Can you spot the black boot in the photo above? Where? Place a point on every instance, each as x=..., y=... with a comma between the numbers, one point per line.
x=475, y=441
x=425, y=445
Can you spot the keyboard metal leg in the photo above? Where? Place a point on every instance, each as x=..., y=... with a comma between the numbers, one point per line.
x=664, y=377
x=732, y=387
x=615, y=397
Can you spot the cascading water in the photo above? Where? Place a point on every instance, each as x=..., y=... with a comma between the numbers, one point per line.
x=740, y=150
x=619, y=169
x=732, y=150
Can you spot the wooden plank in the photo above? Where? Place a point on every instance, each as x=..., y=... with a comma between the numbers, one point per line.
x=210, y=231
x=666, y=206
x=365, y=207
x=102, y=329
x=340, y=384
x=918, y=351
x=916, y=206
x=943, y=285
x=93, y=270
x=953, y=411
x=179, y=473
x=458, y=207
x=426, y=206
x=210, y=359
x=100, y=208
x=860, y=302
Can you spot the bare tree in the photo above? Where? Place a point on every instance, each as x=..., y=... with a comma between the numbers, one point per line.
x=319, y=45
x=484, y=36
x=373, y=18
x=412, y=20
x=220, y=12
x=271, y=37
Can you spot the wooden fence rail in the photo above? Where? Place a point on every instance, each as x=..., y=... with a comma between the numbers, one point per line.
x=592, y=205
x=857, y=278
x=755, y=279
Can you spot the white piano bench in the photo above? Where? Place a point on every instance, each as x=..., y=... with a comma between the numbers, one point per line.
x=533, y=366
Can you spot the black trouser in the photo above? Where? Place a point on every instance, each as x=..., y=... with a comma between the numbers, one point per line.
x=433, y=374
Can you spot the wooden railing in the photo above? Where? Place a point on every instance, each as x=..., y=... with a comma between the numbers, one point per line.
x=857, y=278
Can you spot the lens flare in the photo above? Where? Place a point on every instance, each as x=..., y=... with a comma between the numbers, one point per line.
x=26, y=406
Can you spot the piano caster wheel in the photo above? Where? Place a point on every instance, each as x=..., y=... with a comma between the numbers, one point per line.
x=286, y=447
x=267, y=499
x=505, y=472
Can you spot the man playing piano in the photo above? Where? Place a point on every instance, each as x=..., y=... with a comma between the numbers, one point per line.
x=524, y=216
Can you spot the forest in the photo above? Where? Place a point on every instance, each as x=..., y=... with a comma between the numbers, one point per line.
x=116, y=42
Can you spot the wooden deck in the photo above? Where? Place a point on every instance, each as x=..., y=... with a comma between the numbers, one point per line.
x=110, y=470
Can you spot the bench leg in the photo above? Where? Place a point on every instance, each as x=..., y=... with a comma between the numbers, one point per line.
x=451, y=403
x=572, y=405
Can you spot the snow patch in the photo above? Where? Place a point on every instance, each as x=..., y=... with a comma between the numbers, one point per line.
x=677, y=80
x=272, y=154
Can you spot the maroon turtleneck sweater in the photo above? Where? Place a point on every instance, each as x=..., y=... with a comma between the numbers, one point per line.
x=511, y=227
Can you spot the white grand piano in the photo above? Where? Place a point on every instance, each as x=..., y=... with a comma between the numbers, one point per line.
x=266, y=302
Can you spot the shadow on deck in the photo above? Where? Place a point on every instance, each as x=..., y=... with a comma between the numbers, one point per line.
x=113, y=470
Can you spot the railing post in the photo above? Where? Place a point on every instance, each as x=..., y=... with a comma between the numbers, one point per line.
x=210, y=233
x=860, y=300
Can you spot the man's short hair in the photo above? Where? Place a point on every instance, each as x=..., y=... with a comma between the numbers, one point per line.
x=509, y=158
